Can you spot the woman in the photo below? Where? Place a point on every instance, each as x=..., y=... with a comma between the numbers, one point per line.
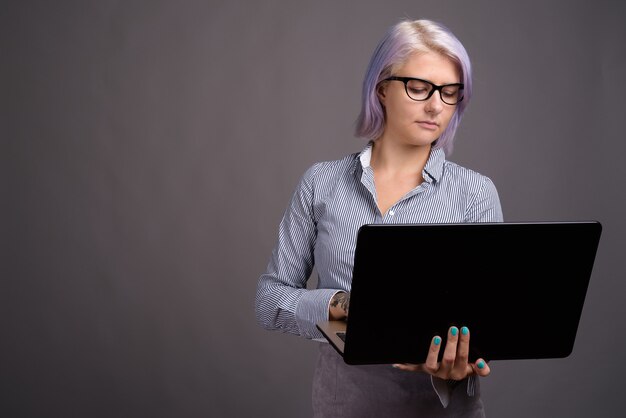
x=416, y=88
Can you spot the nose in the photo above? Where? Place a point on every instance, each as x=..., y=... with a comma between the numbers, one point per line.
x=434, y=104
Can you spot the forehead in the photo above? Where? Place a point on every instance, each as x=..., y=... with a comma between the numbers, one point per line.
x=430, y=66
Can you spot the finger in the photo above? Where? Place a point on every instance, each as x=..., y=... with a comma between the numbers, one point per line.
x=460, y=369
x=431, y=365
x=449, y=353
x=481, y=368
x=408, y=367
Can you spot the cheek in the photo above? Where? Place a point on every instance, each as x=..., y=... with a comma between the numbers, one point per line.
x=404, y=113
x=395, y=114
x=398, y=107
x=446, y=119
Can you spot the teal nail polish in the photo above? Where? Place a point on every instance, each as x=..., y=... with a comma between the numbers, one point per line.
x=437, y=340
x=481, y=364
x=464, y=330
x=454, y=331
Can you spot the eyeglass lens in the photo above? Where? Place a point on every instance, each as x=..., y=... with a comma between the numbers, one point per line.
x=421, y=90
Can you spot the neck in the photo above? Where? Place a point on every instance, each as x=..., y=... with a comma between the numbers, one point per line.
x=399, y=159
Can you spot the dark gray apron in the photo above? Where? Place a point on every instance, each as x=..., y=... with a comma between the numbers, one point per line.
x=344, y=391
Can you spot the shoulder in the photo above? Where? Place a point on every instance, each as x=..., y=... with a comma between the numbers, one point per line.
x=325, y=171
x=457, y=174
x=322, y=179
x=475, y=191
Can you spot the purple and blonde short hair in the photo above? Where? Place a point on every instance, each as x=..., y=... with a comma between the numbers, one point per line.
x=400, y=41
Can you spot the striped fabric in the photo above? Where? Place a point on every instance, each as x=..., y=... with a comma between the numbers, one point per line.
x=331, y=202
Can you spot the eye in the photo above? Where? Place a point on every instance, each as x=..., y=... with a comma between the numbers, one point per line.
x=450, y=92
x=418, y=89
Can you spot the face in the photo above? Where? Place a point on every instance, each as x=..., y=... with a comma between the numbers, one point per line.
x=418, y=123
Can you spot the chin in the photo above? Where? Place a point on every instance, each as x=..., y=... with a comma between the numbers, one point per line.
x=422, y=142
x=423, y=139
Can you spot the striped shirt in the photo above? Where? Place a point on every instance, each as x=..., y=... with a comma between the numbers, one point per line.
x=319, y=228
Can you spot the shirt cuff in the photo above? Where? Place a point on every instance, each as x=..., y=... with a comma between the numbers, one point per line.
x=313, y=308
x=443, y=388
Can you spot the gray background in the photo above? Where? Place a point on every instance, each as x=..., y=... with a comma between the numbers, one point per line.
x=149, y=149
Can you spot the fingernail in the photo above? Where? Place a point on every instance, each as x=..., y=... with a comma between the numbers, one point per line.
x=454, y=331
x=437, y=340
x=464, y=330
x=481, y=364
x=397, y=366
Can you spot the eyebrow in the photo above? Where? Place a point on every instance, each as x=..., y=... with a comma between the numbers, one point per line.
x=458, y=83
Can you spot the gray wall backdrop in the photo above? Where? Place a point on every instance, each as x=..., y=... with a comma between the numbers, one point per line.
x=149, y=149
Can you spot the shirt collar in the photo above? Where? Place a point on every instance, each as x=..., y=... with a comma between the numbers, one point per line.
x=432, y=170
x=366, y=155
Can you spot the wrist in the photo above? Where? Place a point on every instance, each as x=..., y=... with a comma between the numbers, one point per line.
x=338, y=306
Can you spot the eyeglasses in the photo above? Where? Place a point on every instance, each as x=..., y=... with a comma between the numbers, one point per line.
x=420, y=90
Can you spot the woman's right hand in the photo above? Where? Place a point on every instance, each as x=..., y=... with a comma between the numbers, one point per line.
x=338, y=307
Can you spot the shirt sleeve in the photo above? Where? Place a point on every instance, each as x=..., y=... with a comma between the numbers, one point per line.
x=484, y=204
x=282, y=300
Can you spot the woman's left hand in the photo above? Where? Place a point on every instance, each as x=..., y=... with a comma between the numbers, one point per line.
x=454, y=364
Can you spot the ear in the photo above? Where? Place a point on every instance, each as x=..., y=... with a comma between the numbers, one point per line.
x=381, y=92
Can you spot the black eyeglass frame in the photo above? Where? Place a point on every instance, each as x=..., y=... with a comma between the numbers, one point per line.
x=435, y=88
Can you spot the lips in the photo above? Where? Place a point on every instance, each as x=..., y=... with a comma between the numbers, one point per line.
x=428, y=124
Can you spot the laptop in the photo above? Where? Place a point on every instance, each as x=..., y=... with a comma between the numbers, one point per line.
x=519, y=287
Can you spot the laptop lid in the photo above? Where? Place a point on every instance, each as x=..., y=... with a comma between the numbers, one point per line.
x=519, y=287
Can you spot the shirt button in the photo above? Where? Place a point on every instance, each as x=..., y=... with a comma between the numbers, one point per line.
x=391, y=213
